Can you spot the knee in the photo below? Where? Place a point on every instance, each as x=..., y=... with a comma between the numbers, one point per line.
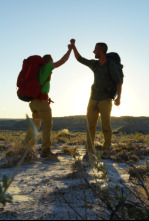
x=106, y=128
x=91, y=127
x=106, y=125
x=47, y=123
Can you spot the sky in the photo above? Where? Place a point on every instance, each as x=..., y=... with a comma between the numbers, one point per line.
x=38, y=27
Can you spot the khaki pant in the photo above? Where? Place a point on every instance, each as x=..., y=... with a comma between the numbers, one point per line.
x=95, y=108
x=41, y=113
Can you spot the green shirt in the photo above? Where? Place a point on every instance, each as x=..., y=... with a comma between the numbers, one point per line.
x=101, y=77
x=44, y=74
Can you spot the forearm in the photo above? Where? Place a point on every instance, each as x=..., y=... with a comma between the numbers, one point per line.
x=76, y=53
x=65, y=57
x=119, y=90
x=62, y=60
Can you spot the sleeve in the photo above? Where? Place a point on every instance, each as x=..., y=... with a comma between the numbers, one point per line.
x=89, y=63
x=114, y=73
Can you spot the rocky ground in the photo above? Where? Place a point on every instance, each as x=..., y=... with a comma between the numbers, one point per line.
x=54, y=191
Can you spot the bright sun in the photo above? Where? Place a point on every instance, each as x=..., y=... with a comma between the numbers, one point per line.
x=81, y=100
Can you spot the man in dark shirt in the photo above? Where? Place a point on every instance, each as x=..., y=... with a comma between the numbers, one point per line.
x=100, y=101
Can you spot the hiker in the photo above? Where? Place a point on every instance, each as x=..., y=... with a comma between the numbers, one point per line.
x=41, y=110
x=101, y=99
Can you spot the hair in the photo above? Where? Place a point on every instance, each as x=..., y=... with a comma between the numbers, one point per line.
x=47, y=58
x=103, y=46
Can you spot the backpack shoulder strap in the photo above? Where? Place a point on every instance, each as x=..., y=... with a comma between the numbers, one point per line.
x=42, y=71
x=46, y=81
x=108, y=69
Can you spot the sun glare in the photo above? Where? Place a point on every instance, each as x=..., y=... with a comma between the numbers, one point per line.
x=116, y=111
x=81, y=99
x=122, y=109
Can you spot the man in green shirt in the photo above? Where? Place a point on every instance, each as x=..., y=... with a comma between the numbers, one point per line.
x=40, y=107
x=100, y=100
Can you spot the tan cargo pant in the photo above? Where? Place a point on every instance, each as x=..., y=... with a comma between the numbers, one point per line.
x=95, y=108
x=41, y=113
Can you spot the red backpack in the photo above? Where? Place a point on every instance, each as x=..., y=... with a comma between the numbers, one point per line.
x=27, y=82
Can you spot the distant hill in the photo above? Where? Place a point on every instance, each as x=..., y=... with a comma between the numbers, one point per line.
x=133, y=128
x=78, y=123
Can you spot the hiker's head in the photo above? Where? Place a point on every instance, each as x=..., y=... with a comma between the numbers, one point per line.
x=48, y=58
x=100, y=50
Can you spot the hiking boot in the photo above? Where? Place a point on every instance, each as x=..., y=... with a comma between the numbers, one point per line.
x=99, y=147
x=86, y=157
x=107, y=148
x=107, y=152
x=89, y=159
x=51, y=156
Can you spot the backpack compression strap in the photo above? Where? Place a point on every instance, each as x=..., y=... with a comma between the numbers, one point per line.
x=108, y=71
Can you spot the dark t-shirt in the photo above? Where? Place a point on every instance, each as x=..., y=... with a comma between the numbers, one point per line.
x=101, y=77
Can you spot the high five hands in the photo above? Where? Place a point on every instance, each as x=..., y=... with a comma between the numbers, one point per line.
x=70, y=46
x=72, y=42
x=76, y=53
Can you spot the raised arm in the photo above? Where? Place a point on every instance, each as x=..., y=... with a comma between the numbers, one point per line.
x=76, y=53
x=63, y=59
x=82, y=60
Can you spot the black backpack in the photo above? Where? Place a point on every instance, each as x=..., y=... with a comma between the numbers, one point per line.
x=114, y=57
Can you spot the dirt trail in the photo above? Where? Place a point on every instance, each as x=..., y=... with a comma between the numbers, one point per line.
x=35, y=193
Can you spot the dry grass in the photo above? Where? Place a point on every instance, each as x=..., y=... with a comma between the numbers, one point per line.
x=142, y=171
x=65, y=137
x=68, y=150
x=15, y=153
x=12, y=147
x=130, y=148
x=129, y=202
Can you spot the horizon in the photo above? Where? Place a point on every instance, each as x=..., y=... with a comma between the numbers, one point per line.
x=79, y=116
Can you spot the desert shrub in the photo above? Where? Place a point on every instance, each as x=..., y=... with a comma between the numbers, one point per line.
x=142, y=171
x=65, y=137
x=3, y=147
x=14, y=147
x=4, y=198
x=30, y=140
x=127, y=201
x=129, y=148
x=11, y=136
x=61, y=136
x=64, y=133
x=70, y=138
x=78, y=139
x=121, y=201
x=70, y=150
x=16, y=150
x=136, y=138
x=15, y=153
